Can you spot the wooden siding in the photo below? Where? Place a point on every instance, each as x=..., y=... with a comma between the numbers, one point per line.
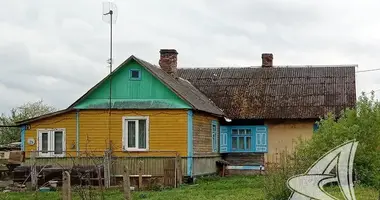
x=204, y=165
x=66, y=120
x=147, y=92
x=151, y=165
x=167, y=131
x=202, y=134
x=243, y=159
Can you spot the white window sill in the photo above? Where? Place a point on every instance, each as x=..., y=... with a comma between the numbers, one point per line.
x=136, y=150
x=49, y=156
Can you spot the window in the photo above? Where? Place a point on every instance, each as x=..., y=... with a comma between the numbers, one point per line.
x=51, y=142
x=241, y=139
x=214, y=136
x=135, y=133
x=135, y=74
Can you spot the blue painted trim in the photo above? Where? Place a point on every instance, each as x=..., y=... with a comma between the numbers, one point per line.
x=77, y=132
x=23, y=128
x=190, y=143
x=223, y=132
x=130, y=74
x=263, y=148
x=214, y=134
x=257, y=167
x=315, y=127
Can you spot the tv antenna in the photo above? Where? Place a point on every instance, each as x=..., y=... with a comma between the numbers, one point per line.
x=109, y=16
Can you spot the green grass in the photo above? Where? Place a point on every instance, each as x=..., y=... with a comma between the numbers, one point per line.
x=232, y=188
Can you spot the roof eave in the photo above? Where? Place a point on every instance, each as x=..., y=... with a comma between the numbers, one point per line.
x=27, y=121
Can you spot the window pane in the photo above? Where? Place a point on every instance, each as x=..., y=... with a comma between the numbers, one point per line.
x=225, y=139
x=241, y=131
x=234, y=131
x=241, y=142
x=248, y=142
x=248, y=131
x=58, y=142
x=44, y=145
x=142, y=134
x=234, y=142
x=135, y=73
x=131, y=134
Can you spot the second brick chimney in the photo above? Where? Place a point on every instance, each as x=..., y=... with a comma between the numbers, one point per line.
x=267, y=60
x=168, y=61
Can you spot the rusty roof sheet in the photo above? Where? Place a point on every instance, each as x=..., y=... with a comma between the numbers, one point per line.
x=277, y=92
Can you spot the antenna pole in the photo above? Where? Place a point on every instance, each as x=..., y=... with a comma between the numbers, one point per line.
x=110, y=10
x=110, y=100
x=110, y=60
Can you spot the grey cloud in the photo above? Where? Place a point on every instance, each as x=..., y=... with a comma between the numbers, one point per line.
x=66, y=44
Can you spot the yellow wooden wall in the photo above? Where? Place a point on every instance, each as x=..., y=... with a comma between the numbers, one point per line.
x=67, y=121
x=202, y=138
x=283, y=136
x=167, y=131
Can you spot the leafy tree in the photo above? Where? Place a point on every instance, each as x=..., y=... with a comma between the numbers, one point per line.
x=23, y=112
x=361, y=123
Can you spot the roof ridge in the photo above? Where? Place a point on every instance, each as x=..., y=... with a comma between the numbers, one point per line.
x=274, y=67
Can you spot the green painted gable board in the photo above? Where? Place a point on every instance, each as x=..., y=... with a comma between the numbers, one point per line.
x=146, y=93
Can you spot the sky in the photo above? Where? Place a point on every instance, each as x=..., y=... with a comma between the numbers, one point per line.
x=56, y=50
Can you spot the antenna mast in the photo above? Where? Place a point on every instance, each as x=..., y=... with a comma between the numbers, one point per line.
x=110, y=16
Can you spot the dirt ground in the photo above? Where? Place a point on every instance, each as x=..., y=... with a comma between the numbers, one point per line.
x=4, y=184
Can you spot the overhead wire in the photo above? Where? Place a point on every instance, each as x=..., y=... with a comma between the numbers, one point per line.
x=368, y=70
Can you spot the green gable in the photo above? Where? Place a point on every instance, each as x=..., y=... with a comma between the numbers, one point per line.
x=142, y=91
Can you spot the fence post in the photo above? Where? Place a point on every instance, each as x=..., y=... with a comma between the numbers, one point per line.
x=126, y=184
x=140, y=174
x=178, y=168
x=66, y=186
x=107, y=173
x=33, y=170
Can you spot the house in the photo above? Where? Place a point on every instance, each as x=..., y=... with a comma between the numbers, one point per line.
x=203, y=114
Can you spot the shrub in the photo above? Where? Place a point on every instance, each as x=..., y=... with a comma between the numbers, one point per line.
x=361, y=123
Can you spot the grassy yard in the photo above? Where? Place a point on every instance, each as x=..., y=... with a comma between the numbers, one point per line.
x=232, y=188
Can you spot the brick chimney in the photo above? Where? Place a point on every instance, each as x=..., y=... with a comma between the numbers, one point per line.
x=267, y=60
x=168, y=61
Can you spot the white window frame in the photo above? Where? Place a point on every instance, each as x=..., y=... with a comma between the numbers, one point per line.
x=125, y=133
x=51, y=142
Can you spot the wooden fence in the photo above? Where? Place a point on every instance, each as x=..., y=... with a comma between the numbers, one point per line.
x=167, y=170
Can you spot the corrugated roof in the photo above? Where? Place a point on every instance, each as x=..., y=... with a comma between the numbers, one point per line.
x=183, y=89
x=278, y=92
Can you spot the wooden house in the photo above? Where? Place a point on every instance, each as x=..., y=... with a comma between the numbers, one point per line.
x=202, y=114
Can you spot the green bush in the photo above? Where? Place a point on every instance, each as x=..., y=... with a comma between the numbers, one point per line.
x=361, y=123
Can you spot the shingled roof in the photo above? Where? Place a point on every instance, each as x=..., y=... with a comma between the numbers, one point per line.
x=276, y=92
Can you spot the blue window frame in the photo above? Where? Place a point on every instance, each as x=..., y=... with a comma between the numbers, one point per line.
x=244, y=139
x=135, y=74
x=241, y=139
x=214, y=135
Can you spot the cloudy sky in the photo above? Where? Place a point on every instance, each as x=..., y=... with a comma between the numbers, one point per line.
x=56, y=50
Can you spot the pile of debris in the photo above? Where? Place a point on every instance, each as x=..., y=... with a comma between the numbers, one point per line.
x=15, y=187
